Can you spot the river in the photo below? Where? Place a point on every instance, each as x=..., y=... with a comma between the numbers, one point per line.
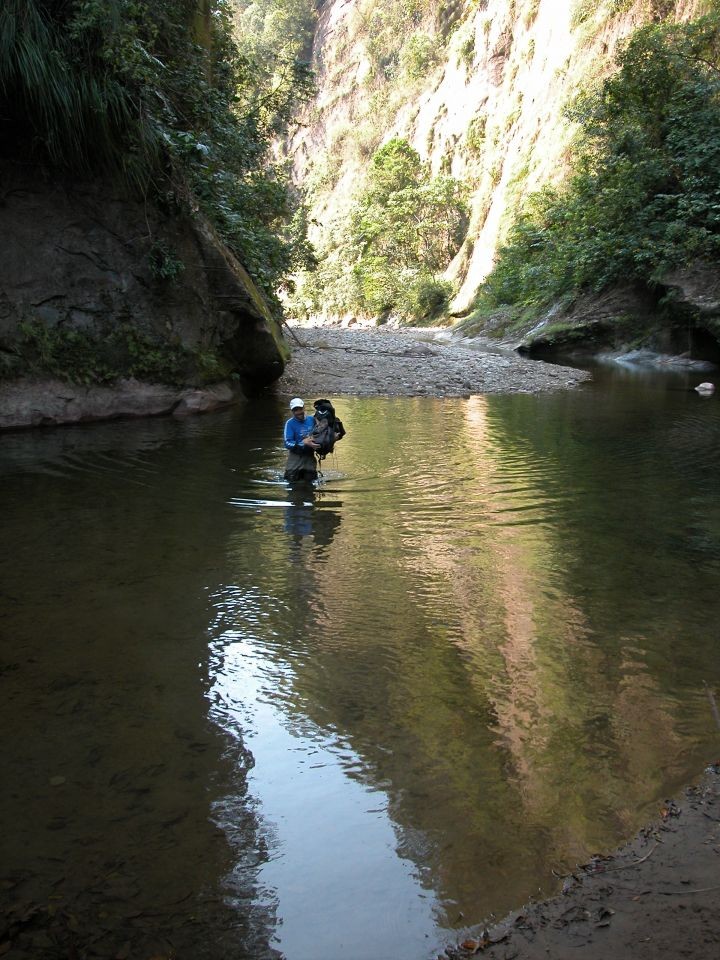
x=356, y=721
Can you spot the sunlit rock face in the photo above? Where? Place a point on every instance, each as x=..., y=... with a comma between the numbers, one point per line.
x=489, y=111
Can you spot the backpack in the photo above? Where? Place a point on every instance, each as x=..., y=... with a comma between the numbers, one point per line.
x=328, y=428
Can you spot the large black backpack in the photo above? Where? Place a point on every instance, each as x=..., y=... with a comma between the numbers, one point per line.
x=328, y=428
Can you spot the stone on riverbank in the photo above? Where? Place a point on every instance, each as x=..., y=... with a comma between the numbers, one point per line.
x=412, y=362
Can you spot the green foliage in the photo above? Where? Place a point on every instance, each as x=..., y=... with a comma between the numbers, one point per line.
x=530, y=13
x=275, y=35
x=405, y=38
x=69, y=75
x=406, y=217
x=394, y=167
x=88, y=358
x=644, y=194
x=475, y=137
x=424, y=299
x=159, y=92
x=419, y=55
x=404, y=229
x=164, y=265
x=467, y=51
x=581, y=11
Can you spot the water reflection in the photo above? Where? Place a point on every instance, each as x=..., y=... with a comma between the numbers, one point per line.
x=310, y=512
x=110, y=763
x=497, y=666
x=356, y=717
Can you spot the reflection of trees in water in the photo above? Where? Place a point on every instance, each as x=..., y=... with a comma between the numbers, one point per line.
x=499, y=678
x=112, y=538
x=584, y=734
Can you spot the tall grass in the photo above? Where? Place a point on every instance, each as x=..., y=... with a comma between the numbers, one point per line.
x=59, y=96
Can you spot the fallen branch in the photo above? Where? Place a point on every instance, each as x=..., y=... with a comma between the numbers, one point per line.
x=680, y=893
x=633, y=863
x=326, y=373
x=295, y=337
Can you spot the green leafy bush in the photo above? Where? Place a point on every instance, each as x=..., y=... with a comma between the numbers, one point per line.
x=644, y=193
x=158, y=92
x=406, y=226
x=475, y=136
x=164, y=264
x=424, y=299
x=419, y=55
x=89, y=358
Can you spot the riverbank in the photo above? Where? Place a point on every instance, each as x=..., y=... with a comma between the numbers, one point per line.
x=656, y=895
x=361, y=361
x=411, y=362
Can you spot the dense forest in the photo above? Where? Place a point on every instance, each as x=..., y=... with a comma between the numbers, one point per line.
x=643, y=194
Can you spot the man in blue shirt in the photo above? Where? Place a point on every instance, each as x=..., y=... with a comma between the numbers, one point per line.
x=301, y=463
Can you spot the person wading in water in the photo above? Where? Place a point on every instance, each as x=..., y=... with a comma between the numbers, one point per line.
x=301, y=465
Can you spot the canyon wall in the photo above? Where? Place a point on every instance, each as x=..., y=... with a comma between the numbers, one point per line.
x=82, y=259
x=478, y=88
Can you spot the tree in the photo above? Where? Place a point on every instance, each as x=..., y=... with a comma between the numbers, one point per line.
x=405, y=228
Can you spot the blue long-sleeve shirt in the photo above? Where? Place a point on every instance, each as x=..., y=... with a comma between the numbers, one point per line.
x=296, y=430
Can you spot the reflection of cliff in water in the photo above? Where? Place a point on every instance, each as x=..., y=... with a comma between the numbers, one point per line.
x=496, y=652
x=502, y=634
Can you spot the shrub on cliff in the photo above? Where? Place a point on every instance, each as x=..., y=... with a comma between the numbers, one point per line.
x=157, y=92
x=403, y=231
x=644, y=194
x=405, y=228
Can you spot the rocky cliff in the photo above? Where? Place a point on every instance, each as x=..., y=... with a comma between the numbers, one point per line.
x=477, y=87
x=85, y=263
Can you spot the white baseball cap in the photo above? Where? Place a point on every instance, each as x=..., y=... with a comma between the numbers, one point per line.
x=296, y=402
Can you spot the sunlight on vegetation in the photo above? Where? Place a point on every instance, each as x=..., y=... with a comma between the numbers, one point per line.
x=405, y=227
x=187, y=103
x=644, y=192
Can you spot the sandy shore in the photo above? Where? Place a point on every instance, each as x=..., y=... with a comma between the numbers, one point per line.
x=658, y=895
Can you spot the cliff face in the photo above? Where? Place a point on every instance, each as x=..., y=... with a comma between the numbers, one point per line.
x=487, y=107
x=84, y=257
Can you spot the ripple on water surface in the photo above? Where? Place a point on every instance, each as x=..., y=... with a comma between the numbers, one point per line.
x=472, y=655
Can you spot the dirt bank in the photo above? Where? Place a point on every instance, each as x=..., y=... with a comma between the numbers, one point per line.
x=655, y=897
x=411, y=362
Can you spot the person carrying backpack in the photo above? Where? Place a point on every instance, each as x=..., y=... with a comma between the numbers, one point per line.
x=328, y=428
x=299, y=442
x=306, y=437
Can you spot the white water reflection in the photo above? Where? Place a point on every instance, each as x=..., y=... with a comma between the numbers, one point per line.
x=332, y=857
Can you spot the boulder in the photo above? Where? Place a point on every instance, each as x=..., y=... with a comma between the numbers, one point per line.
x=36, y=402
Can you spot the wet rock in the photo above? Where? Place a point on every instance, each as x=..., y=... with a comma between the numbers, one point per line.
x=33, y=403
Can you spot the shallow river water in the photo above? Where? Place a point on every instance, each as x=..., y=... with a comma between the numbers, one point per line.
x=356, y=721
